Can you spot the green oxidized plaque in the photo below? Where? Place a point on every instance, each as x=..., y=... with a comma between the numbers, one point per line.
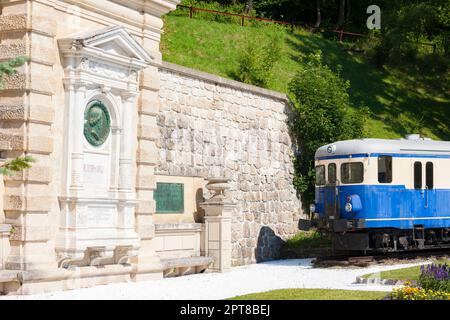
x=169, y=197
x=97, y=123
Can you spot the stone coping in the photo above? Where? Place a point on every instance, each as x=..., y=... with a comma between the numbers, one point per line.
x=178, y=226
x=223, y=81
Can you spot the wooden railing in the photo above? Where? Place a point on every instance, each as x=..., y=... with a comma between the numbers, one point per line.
x=243, y=17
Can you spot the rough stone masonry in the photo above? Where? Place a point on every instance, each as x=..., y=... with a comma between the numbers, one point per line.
x=213, y=127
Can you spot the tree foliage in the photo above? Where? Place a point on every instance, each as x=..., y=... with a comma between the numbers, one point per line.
x=324, y=114
x=256, y=62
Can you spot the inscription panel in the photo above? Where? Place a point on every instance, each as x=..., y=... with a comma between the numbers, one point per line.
x=169, y=197
x=101, y=217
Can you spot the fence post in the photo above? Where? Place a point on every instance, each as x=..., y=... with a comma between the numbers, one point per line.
x=191, y=11
x=341, y=35
x=243, y=18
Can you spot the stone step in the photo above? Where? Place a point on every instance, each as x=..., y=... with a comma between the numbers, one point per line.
x=185, y=266
x=187, y=262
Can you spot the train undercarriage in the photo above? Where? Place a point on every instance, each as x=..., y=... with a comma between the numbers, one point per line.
x=390, y=239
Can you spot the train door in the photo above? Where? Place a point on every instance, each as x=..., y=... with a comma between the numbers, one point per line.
x=331, y=192
x=424, y=195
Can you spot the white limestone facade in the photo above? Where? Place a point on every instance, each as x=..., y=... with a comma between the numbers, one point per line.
x=107, y=121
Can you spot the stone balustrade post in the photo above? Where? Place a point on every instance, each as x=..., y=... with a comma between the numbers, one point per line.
x=4, y=244
x=218, y=213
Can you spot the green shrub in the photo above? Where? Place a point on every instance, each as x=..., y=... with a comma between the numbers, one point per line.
x=256, y=62
x=308, y=239
x=323, y=114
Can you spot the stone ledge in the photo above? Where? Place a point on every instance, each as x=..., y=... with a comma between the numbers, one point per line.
x=222, y=81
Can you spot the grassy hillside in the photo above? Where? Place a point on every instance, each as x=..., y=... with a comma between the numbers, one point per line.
x=402, y=100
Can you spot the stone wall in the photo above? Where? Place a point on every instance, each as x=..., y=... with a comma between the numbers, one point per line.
x=212, y=127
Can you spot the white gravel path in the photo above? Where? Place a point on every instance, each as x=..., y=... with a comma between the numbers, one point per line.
x=282, y=274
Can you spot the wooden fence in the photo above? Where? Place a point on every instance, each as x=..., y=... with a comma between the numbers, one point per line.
x=243, y=17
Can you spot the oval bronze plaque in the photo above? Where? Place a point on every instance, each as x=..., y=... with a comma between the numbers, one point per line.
x=97, y=123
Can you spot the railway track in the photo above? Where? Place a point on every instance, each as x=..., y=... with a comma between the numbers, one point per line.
x=378, y=258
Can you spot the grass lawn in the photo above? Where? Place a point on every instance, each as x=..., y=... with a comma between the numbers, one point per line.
x=313, y=294
x=410, y=273
x=401, y=99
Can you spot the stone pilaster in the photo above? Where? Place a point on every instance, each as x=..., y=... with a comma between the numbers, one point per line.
x=26, y=109
x=218, y=212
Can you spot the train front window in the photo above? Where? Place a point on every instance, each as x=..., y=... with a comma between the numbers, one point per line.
x=332, y=173
x=352, y=172
x=385, y=169
x=320, y=175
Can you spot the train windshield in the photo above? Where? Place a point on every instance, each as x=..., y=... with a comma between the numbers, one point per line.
x=332, y=173
x=352, y=172
x=320, y=175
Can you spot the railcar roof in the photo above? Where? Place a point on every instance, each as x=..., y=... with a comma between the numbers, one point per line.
x=381, y=146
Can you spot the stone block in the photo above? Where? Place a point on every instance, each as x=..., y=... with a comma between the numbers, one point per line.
x=27, y=203
x=40, y=144
x=148, y=132
x=13, y=22
x=10, y=51
x=35, y=174
x=19, y=111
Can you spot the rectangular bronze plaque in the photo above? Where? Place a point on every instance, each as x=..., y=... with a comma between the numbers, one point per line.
x=169, y=197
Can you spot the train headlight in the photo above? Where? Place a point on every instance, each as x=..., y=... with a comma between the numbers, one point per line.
x=312, y=208
x=348, y=207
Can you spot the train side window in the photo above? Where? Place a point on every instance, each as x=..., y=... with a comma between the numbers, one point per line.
x=320, y=175
x=417, y=175
x=429, y=175
x=332, y=173
x=352, y=172
x=385, y=169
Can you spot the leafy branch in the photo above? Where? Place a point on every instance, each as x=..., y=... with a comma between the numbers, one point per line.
x=9, y=68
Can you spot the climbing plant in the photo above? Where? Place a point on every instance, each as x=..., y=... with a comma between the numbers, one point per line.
x=20, y=163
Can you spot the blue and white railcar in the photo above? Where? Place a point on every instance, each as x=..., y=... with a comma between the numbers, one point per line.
x=389, y=195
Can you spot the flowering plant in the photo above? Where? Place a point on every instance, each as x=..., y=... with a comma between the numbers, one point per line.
x=435, y=277
x=413, y=293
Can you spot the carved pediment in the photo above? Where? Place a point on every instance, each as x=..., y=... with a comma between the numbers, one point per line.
x=111, y=43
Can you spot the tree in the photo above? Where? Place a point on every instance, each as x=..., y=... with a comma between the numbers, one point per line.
x=323, y=114
x=341, y=14
x=20, y=163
